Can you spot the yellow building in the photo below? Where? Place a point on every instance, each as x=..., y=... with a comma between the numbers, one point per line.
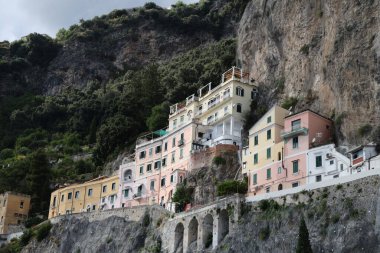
x=265, y=142
x=14, y=208
x=96, y=194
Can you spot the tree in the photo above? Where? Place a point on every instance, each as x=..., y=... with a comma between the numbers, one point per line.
x=182, y=196
x=159, y=117
x=39, y=181
x=303, y=244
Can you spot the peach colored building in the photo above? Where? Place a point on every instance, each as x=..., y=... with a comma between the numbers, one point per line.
x=208, y=118
x=14, y=209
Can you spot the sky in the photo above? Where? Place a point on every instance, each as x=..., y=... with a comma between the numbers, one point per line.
x=22, y=17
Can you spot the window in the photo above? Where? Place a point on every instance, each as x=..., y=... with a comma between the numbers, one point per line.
x=54, y=200
x=269, y=153
x=267, y=189
x=157, y=165
x=103, y=200
x=175, y=123
x=77, y=194
x=69, y=195
x=279, y=170
x=171, y=178
x=141, y=169
x=126, y=193
x=62, y=198
x=318, y=178
x=181, y=153
x=163, y=162
x=296, y=124
x=225, y=110
x=341, y=167
x=254, y=178
x=253, y=94
x=256, y=140
x=173, y=142
x=89, y=193
x=104, y=188
x=216, y=115
x=269, y=119
x=150, y=151
x=163, y=181
x=279, y=156
x=182, y=118
x=318, y=161
x=331, y=162
x=142, y=154
x=113, y=186
x=152, y=185
x=166, y=146
x=295, y=184
x=93, y=207
x=158, y=149
x=255, y=159
x=269, y=134
x=240, y=91
x=173, y=157
x=238, y=108
x=148, y=168
x=295, y=167
x=269, y=173
x=182, y=136
x=244, y=165
x=295, y=142
x=22, y=204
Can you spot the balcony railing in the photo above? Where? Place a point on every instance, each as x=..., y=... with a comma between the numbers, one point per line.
x=181, y=142
x=294, y=131
x=235, y=73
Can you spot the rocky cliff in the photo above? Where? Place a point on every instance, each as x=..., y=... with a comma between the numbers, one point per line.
x=323, y=54
x=341, y=218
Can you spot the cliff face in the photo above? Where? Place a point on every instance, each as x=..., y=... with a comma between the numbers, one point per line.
x=339, y=219
x=324, y=53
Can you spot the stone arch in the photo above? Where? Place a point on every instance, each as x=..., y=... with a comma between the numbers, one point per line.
x=280, y=187
x=223, y=225
x=207, y=228
x=192, y=234
x=178, y=238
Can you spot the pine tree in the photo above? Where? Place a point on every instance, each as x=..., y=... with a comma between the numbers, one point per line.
x=39, y=182
x=303, y=244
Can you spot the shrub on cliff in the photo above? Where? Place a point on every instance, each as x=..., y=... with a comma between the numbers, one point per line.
x=182, y=196
x=43, y=231
x=229, y=187
x=218, y=160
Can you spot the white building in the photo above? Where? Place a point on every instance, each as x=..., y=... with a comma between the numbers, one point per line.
x=326, y=163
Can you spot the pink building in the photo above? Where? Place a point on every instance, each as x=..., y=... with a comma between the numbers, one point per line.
x=302, y=131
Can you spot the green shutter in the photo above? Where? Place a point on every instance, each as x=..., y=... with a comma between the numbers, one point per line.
x=295, y=167
x=318, y=161
x=268, y=173
x=254, y=178
x=269, y=153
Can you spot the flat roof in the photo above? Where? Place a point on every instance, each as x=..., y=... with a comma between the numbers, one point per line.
x=320, y=115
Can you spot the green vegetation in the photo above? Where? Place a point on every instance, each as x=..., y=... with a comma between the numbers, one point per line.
x=264, y=233
x=305, y=49
x=182, y=196
x=43, y=231
x=146, y=220
x=303, y=244
x=218, y=160
x=365, y=130
x=229, y=187
x=289, y=102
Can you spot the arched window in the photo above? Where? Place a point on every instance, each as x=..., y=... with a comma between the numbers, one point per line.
x=127, y=175
x=280, y=187
x=239, y=91
x=238, y=107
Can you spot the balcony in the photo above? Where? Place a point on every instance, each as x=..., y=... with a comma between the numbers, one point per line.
x=294, y=131
x=138, y=195
x=235, y=74
x=181, y=142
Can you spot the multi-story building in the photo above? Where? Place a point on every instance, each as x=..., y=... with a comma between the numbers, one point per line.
x=96, y=194
x=265, y=151
x=14, y=208
x=287, y=150
x=212, y=116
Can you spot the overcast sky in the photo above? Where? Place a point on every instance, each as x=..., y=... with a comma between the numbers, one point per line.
x=21, y=17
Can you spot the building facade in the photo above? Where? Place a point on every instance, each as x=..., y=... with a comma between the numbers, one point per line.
x=14, y=209
x=212, y=116
x=288, y=150
x=364, y=158
x=97, y=194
